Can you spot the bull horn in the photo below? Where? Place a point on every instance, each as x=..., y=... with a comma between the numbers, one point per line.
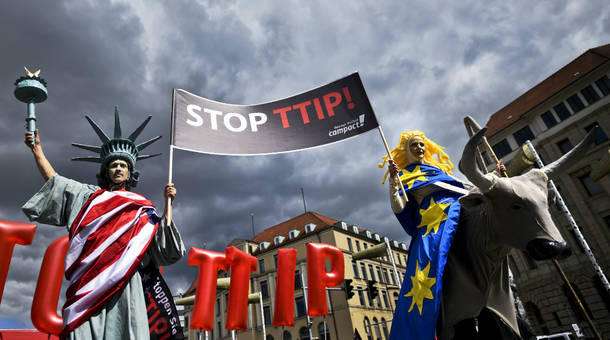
x=573, y=156
x=469, y=167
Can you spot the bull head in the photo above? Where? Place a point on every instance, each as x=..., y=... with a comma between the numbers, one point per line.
x=518, y=207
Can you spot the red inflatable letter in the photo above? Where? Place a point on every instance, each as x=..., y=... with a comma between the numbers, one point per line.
x=242, y=265
x=209, y=263
x=11, y=233
x=317, y=277
x=46, y=296
x=283, y=315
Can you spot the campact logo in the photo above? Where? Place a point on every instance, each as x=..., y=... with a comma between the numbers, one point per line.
x=347, y=127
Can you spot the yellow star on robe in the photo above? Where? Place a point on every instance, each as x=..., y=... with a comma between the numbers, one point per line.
x=421, y=287
x=408, y=178
x=433, y=216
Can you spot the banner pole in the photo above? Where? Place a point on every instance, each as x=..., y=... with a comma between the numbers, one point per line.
x=387, y=149
x=168, y=202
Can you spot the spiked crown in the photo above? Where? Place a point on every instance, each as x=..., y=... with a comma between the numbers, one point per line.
x=117, y=147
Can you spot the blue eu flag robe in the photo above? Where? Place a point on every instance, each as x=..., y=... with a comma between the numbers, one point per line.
x=431, y=225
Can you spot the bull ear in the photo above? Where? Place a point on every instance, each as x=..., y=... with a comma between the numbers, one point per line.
x=472, y=200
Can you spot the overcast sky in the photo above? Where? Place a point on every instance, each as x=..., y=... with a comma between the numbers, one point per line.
x=425, y=65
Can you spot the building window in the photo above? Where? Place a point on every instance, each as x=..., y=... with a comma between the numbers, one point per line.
x=562, y=111
x=385, y=275
x=377, y=329
x=217, y=306
x=548, y=119
x=593, y=188
x=357, y=245
x=384, y=326
x=219, y=329
x=264, y=289
x=303, y=333
x=395, y=299
x=355, y=268
x=565, y=145
x=600, y=137
x=575, y=103
x=372, y=272
x=261, y=265
x=524, y=134
x=379, y=277
x=367, y=328
x=365, y=245
x=392, y=280
x=590, y=95
x=269, y=337
x=604, y=85
x=349, y=244
x=502, y=148
x=607, y=220
x=363, y=270
x=298, y=284
x=275, y=260
x=286, y=335
x=323, y=331
x=267, y=314
x=301, y=309
x=361, y=296
x=386, y=301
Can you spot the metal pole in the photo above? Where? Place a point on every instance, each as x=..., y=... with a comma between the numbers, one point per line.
x=207, y=335
x=260, y=297
x=580, y=238
x=303, y=195
x=233, y=336
x=325, y=330
x=306, y=308
x=391, y=254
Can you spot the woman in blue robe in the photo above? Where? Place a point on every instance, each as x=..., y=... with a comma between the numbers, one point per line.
x=427, y=207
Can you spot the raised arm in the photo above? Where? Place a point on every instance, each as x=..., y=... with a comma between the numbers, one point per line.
x=169, y=192
x=45, y=168
x=397, y=201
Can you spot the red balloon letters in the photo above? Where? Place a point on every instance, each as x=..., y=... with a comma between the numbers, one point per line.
x=11, y=233
x=46, y=296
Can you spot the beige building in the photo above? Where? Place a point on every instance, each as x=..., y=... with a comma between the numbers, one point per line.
x=371, y=319
x=555, y=115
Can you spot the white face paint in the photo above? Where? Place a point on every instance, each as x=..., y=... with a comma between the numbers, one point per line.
x=118, y=171
x=417, y=149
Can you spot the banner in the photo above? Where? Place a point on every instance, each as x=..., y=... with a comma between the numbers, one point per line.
x=324, y=115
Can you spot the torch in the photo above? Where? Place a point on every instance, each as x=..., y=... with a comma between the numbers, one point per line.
x=31, y=89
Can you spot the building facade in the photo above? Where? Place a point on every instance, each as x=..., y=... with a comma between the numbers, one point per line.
x=555, y=115
x=369, y=318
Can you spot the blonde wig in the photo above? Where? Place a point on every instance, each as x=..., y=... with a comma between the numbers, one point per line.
x=400, y=153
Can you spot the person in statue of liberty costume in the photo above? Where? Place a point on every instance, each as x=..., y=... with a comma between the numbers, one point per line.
x=113, y=234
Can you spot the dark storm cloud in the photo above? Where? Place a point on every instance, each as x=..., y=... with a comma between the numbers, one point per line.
x=424, y=67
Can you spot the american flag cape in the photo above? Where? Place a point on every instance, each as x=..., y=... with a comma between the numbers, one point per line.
x=108, y=239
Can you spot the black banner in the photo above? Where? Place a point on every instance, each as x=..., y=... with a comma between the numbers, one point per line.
x=324, y=115
x=163, y=318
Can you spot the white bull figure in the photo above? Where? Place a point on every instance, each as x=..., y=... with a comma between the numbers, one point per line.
x=497, y=215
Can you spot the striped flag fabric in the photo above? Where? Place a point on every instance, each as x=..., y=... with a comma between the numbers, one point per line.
x=108, y=239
